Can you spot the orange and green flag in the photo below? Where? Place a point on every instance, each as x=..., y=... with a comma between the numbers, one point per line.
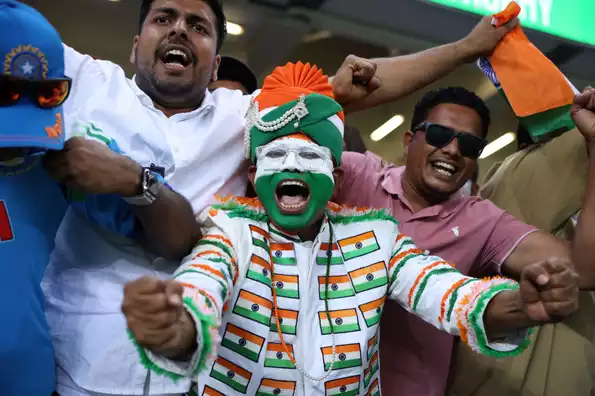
x=537, y=91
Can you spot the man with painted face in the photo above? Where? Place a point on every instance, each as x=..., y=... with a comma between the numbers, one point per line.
x=292, y=286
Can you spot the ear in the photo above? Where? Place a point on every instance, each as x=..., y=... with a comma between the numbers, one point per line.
x=133, y=52
x=216, y=68
x=338, y=175
x=407, y=140
x=252, y=174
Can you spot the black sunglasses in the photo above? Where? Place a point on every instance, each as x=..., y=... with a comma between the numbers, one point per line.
x=45, y=93
x=440, y=136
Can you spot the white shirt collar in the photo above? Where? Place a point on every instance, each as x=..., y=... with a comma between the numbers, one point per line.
x=207, y=103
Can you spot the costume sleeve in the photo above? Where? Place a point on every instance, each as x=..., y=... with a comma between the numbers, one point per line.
x=208, y=275
x=435, y=291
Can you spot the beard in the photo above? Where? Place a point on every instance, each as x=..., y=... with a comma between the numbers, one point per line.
x=171, y=92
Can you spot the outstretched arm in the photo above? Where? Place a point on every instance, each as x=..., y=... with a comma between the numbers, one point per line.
x=488, y=314
x=360, y=84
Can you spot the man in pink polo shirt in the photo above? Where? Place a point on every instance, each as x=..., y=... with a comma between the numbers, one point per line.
x=447, y=136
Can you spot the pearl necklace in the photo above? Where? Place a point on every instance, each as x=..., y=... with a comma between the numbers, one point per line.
x=329, y=254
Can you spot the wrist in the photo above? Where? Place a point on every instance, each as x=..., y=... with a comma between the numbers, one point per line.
x=505, y=314
x=131, y=177
x=465, y=50
x=185, y=341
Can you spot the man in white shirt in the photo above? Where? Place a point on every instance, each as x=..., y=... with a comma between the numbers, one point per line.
x=166, y=120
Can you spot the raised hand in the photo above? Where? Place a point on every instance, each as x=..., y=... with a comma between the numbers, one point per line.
x=583, y=113
x=484, y=37
x=157, y=318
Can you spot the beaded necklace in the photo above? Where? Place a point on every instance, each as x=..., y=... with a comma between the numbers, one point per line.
x=329, y=254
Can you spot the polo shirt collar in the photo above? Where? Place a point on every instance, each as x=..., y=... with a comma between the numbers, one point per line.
x=392, y=183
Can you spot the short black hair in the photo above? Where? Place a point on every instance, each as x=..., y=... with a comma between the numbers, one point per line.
x=451, y=95
x=233, y=69
x=353, y=140
x=216, y=6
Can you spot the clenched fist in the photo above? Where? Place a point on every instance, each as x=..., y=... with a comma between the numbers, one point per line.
x=549, y=290
x=156, y=316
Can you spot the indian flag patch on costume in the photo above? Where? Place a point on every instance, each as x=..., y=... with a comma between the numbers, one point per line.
x=359, y=245
x=372, y=311
x=323, y=254
x=347, y=356
x=287, y=320
x=269, y=387
x=231, y=375
x=287, y=285
x=338, y=287
x=260, y=270
x=243, y=342
x=277, y=357
x=369, y=277
x=253, y=307
x=372, y=343
x=371, y=369
x=343, y=387
x=260, y=237
x=283, y=254
x=374, y=389
x=344, y=321
x=208, y=391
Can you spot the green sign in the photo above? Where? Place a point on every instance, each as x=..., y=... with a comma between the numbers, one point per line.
x=569, y=19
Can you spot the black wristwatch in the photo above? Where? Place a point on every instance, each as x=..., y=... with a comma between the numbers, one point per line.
x=150, y=187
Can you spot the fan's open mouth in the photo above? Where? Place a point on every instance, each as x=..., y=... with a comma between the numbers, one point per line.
x=292, y=196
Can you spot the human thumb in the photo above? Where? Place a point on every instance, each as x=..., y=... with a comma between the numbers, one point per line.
x=173, y=293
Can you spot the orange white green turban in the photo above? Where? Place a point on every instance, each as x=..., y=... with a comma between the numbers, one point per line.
x=295, y=98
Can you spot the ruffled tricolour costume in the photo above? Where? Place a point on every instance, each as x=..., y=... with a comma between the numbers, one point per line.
x=276, y=315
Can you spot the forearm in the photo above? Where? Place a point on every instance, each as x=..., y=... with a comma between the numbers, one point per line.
x=169, y=226
x=403, y=75
x=583, y=245
x=504, y=315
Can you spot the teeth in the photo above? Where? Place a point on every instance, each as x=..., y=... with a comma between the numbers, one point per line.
x=444, y=172
x=445, y=166
x=285, y=206
x=293, y=183
x=177, y=52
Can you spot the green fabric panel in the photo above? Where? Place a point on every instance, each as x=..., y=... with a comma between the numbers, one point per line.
x=315, y=124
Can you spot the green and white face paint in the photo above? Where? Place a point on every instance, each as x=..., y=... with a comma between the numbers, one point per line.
x=294, y=181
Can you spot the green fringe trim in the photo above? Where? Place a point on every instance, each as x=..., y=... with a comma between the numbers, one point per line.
x=206, y=322
x=148, y=364
x=368, y=215
x=476, y=318
x=235, y=209
x=424, y=283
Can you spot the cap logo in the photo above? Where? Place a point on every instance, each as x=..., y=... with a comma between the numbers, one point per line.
x=55, y=131
x=26, y=61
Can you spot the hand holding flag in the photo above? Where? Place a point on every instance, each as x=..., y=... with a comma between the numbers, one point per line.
x=583, y=113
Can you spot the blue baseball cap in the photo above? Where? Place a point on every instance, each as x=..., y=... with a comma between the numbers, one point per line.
x=30, y=48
